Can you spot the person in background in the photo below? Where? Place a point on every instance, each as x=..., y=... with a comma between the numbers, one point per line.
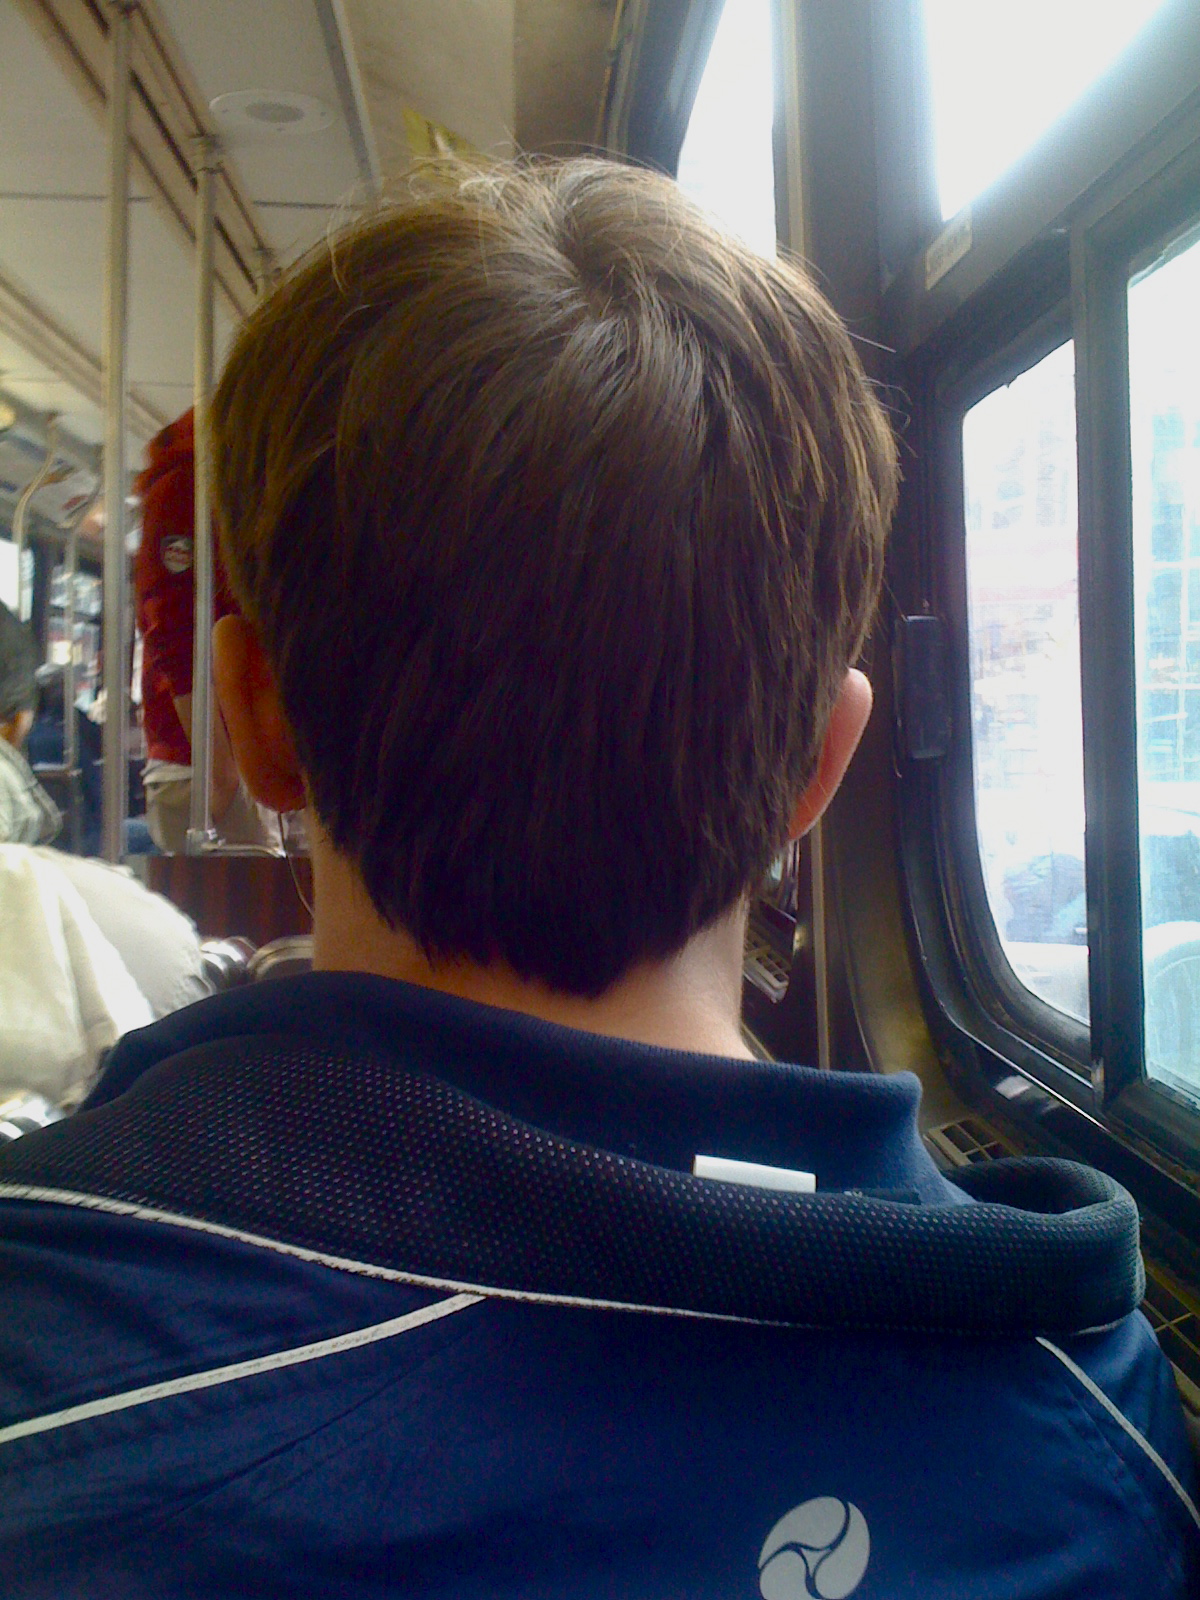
x=27, y=813
x=46, y=747
x=164, y=580
x=86, y=953
x=46, y=742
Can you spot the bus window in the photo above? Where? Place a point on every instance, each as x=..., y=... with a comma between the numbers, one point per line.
x=1001, y=76
x=1019, y=480
x=1164, y=400
x=727, y=161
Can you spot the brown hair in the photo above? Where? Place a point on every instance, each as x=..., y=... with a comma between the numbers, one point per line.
x=561, y=516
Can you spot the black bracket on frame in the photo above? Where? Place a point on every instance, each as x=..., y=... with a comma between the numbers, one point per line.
x=923, y=687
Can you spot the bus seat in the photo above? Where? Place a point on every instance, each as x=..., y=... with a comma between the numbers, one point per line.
x=225, y=962
x=281, y=958
x=22, y=1113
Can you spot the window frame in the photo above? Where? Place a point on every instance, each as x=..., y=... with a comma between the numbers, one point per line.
x=1148, y=205
x=1053, y=244
x=963, y=958
x=1000, y=991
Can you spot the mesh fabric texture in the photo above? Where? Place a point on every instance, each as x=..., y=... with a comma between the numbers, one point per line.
x=352, y=1156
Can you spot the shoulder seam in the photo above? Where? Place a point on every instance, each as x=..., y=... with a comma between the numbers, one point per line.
x=368, y=1269
x=256, y=1365
x=36, y=1193
x=1122, y=1421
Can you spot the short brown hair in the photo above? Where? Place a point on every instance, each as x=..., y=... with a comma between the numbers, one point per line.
x=560, y=515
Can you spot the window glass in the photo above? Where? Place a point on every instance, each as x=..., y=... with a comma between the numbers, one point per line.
x=1164, y=399
x=1026, y=718
x=1002, y=75
x=727, y=163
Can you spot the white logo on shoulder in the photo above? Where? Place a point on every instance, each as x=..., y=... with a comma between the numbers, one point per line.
x=818, y=1551
x=176, y=553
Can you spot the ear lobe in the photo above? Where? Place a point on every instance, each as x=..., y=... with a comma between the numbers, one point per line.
x=258, y=731
x=847, y=721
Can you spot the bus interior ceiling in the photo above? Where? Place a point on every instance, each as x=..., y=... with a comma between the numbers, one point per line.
x=316, y=108
x=314, y=105
x=903, y=935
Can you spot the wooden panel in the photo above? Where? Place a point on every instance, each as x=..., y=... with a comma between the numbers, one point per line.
x=250, y=896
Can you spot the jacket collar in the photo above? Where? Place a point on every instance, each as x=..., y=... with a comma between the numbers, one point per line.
x=359, y=1159
x=854, y=1131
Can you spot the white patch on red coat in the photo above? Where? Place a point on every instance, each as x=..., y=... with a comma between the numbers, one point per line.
x=177, y=553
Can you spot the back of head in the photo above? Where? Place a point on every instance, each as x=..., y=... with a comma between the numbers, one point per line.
x=18, y=666
x=560, y=516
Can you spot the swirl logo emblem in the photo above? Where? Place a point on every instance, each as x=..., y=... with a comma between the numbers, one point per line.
x=818, y=1551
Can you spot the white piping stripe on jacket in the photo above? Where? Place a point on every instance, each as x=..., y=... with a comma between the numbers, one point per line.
x=366, y=1269
x=1098, y=1394
x=238, y=1369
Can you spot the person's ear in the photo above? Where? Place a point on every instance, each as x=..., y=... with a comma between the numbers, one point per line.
x=258, y=730
x=846, y=723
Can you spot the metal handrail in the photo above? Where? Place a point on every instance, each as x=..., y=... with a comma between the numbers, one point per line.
x=69, y=767
x=70, y=741
x=40, y=477
x=200, y=829
x=116, y=387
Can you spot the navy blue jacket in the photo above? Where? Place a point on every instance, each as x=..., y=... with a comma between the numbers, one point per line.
x=340, y=1287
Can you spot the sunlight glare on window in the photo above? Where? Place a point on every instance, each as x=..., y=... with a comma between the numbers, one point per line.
x=1002, y=75
x=727, y=163
x=1164, y=425
x=1026, y=704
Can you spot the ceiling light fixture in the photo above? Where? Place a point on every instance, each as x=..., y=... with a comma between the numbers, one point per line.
x=270, y=113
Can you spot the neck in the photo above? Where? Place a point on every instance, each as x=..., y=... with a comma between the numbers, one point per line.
x=691, y=1001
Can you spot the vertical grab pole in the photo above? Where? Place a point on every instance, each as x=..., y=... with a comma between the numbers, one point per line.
x=70, y=732
x=116, y=344
x=70, y=742
x=20, y=515
x=821, y=943
x=200, y=831
x=267, y=263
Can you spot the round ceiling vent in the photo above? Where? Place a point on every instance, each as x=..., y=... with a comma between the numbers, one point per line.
x=271, y=112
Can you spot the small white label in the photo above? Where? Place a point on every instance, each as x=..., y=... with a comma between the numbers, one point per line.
x=948, y=249
x=753, y=1175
